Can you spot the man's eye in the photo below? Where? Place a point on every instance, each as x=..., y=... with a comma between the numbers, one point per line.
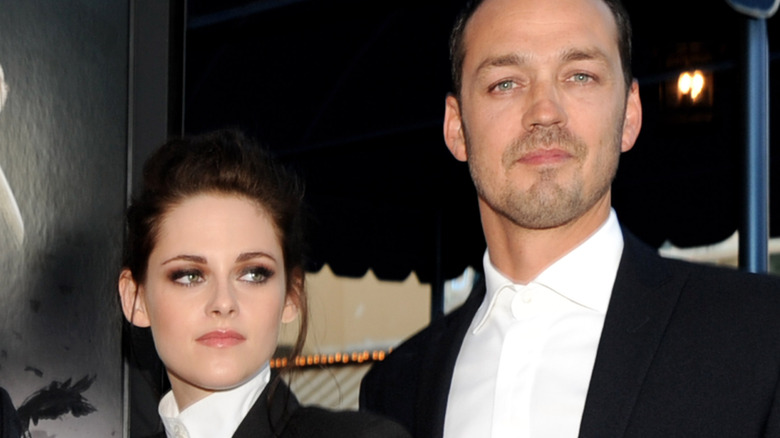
x=504, y=86
x=187, y=277
x=581, y=77
x=256, y=275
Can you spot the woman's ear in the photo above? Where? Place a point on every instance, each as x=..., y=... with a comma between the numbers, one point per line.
x=294, y=297
x=133, y=304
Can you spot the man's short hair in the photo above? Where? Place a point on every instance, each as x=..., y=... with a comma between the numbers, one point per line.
x=458, y=48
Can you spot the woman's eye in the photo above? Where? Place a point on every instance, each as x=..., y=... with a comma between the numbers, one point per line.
x=187, y=277
x=256, y=275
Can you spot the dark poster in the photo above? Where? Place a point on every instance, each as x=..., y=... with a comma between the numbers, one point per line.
x=63, y=137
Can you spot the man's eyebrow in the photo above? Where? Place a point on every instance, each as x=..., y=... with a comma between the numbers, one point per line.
x=584, y=55
x=568, y=55
x=502, y=61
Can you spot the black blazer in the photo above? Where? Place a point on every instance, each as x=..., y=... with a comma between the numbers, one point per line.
x=687, y=350
x=286, y=418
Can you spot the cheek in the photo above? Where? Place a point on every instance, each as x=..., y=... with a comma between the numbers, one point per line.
x=604, y=160
x=496, y=121
x=166, y=328
x=264, y=310
x=169, y=319
x=268, y=317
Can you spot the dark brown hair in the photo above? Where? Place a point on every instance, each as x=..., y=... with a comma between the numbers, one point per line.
x=223, y=162
x=458, y=48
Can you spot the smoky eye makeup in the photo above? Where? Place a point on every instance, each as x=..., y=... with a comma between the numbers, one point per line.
x=186, y=277
x=256, y=274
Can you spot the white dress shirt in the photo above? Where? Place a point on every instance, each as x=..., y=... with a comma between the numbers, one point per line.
x=525, y=364
x=216, y=415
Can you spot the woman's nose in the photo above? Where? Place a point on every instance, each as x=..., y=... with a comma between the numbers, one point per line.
x=223, y=301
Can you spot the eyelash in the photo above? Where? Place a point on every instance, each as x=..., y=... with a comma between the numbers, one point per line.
x=261, y=271
x=178, y=275
x=191, y=277
x=576, y=77
x=584, y=77
x=497, y=85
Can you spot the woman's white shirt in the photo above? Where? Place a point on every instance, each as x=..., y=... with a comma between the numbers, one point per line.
x=217, y=415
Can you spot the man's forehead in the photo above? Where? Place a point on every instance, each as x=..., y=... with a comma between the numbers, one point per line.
x=565, y=27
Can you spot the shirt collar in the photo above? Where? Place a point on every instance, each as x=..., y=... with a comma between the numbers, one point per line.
x=218, y=414
x=584, y=275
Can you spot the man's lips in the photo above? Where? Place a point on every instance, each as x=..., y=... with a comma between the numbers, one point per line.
x=221, y=338
x=544, y=156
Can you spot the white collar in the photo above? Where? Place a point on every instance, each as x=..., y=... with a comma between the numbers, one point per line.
x=584, y=275
x=216, y=415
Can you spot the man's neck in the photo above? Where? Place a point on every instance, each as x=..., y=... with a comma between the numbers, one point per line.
x=522, y=254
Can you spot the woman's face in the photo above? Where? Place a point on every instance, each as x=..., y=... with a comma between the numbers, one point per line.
x=214, y=294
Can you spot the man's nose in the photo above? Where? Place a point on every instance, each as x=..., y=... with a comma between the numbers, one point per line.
x=545, y=107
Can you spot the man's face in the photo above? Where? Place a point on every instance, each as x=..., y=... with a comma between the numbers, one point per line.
x=543, y=114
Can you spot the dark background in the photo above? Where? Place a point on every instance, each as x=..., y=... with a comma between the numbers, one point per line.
x=351, y=93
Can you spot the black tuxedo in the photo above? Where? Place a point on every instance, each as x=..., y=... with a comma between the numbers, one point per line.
x=687, y=350
x=286, y=418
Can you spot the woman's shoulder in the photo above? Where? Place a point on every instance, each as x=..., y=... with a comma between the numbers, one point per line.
x=308, y=421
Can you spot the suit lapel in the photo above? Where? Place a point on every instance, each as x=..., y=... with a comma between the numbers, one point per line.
x=257, y=422
x=643, y=298
x=438, y=365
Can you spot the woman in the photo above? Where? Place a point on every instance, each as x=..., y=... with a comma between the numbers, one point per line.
x=213, y=264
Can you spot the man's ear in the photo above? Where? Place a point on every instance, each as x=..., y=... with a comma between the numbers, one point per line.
x=633, y=119
x=454, y=135
x=293, y=298
x=133, y=303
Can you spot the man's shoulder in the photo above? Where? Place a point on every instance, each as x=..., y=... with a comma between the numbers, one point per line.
x=720, y=275
x=714, y=288
x=760, y=291
x=441, y=333
x=645, y=257
x=400, y=364
x=421, y=364
x=703, y=298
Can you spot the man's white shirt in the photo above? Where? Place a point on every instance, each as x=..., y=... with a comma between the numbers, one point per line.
x=525, y=364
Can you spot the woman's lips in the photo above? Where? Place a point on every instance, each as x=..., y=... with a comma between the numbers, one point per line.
x=221, y=338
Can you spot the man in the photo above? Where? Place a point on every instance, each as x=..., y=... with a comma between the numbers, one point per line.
x=579, y=329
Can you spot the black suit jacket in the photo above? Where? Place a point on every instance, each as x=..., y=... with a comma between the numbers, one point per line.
x=284, y=417
x=687, y=350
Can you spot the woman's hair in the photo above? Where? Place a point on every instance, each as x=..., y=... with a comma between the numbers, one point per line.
x=222, y=162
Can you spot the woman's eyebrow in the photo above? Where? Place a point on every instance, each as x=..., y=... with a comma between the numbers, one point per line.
x=186, y=258
x=253, y=255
